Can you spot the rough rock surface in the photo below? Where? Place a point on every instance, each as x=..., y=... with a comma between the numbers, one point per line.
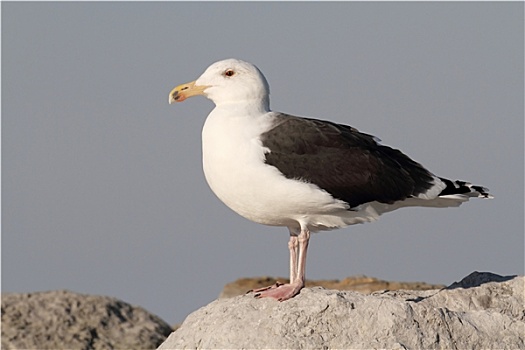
x=67, y=320
x=361, y=284
x=483, y=311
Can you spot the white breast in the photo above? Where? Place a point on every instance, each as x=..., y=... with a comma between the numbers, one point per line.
x=233, y=162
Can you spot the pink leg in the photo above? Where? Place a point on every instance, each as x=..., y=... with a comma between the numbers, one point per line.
x=293, y=246
x=304, y=238
x=283, y=292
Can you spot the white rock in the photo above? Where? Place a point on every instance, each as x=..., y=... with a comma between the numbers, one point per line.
x=482, y=311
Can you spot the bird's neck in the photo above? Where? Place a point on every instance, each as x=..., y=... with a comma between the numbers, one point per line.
x=246, y=107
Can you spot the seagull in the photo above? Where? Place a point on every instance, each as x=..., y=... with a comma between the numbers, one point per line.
x=305, y=174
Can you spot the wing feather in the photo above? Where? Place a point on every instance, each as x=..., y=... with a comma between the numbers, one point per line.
x=346, y=163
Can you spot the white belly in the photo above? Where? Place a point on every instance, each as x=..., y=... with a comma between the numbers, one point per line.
x=233, y=162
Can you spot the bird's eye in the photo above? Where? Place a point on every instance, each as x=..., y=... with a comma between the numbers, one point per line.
x=229, y=72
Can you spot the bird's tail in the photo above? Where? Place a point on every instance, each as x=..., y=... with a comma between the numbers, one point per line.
x=452, y=195
x=458, y=189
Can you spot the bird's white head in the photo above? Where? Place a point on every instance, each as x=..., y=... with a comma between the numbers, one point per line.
x=230, y=81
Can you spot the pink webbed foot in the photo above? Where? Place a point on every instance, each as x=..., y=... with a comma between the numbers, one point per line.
x=278, y=291
x=258, y=290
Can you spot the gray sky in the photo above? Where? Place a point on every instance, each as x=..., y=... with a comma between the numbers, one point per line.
x=103, y=191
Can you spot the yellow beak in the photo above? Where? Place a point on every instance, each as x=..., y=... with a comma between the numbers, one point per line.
x=182, y=92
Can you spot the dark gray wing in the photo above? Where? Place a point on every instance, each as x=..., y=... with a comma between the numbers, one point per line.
x=348, y=164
